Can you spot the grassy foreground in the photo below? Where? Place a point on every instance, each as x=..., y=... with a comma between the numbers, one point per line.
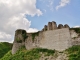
x=34, y=54
x=23, y=54
x=74, y=52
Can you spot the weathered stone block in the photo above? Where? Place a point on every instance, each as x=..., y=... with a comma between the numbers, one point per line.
x=54, y=25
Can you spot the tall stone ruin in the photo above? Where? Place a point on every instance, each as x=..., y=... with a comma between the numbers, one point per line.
x=50, y=37
x=54, y=25
x=20, y=36
x=49, y=25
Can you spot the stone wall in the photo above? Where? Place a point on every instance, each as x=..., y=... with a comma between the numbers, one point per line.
x=51, y=37
x=56, y=39
x=33, y=43
x=75, y=38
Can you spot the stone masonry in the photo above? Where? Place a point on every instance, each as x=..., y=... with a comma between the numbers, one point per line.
x=50, y=37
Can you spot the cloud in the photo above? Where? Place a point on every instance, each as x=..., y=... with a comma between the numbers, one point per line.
x=62, y=3
x=32, y=30
x=76, y=27
x=12, y=16
x=50, y=4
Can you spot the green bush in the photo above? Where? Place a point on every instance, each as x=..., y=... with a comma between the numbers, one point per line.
x=24, y=34
x=74, y=52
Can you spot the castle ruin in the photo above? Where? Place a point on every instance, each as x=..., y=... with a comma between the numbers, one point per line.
x=50, y=37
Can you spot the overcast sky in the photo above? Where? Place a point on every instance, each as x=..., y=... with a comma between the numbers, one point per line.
x=32, y=15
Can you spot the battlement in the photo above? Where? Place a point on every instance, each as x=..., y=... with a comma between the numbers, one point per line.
x=52, y=26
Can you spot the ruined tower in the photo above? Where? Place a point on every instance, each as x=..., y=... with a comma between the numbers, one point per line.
x=20, y=36
x=49, y=26
x=54, y=25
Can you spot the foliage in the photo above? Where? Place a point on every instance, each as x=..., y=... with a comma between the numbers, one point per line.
x=18, y=40
x=34, y=34
x=23, y=54
x=74, y=52
x=77, y=30
x=24, y=35
x=4, y=48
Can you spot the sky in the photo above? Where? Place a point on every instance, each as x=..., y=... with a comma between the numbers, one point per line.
x=32, y=15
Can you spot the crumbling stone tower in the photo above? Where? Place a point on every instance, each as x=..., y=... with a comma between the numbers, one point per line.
x=20, y=36
x=51, y=26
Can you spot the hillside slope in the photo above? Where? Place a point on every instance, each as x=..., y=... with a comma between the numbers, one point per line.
x=35, y=54
x=4, y=48
x=73, y=53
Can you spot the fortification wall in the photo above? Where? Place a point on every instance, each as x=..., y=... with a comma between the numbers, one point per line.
x=51, y=37
x=75, y=38
x=75, y=41
x=33, y=40
x=56, y=39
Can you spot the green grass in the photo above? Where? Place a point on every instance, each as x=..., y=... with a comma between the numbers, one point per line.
x=74, y=52
x=4, y=48
x=23, y=54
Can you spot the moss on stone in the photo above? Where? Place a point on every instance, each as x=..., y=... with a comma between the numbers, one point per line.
x=24, y=34
x=18, y=40
x=34, y=34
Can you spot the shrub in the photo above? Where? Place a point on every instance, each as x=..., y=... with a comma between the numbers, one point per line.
x=74, y=52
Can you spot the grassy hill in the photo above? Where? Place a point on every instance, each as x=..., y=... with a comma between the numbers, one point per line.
x=23, y=54
x=4, y=48
x=73, y=53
